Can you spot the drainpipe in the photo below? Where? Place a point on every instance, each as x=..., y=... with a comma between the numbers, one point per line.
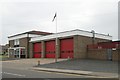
x=93, y=37
x=27, y=45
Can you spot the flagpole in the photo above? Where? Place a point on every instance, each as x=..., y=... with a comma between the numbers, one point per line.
x=56, y=55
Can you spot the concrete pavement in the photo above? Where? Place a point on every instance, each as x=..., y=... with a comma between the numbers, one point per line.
x=79, y=72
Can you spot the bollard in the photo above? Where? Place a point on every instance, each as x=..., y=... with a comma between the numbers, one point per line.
x=68, y=58
x=38, y=62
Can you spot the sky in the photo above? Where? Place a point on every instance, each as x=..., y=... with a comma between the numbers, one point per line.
x=18, y=16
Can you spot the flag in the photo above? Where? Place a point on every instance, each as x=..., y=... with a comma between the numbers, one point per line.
x=54, y=17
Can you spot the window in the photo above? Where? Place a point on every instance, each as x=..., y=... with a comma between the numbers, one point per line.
x=22, y=51
x=16, y=42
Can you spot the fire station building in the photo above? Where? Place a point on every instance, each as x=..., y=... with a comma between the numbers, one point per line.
x=19, y=44
x=68, y=44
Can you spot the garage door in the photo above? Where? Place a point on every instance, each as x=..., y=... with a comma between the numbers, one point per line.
x=66, y=48
x=50, y=49
x=37, y=50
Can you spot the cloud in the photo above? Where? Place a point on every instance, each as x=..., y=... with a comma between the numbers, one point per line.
x=24, y=15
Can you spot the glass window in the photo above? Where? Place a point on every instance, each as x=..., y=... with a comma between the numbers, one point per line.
x=16, y=42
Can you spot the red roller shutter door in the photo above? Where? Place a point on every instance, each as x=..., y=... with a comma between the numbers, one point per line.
x=50, y=49
x=37, y=50
x=66, y=48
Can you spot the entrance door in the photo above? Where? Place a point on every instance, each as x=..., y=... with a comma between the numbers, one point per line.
x=19, y=53
x=22, y=53
x=16, y=53
x=109, y=54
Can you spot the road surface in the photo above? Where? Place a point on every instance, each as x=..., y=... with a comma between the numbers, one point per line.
x=12, y=69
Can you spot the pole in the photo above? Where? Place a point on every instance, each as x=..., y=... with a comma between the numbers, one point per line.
x=27, y=45
x=19, y=53
x=8, y=53
x=56, y=40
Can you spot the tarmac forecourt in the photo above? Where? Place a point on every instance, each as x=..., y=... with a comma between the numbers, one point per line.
x=104, y=69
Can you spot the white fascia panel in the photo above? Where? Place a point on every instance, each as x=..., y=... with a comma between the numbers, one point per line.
x=70, y=33
x=103, y=36
x=63, y=34
x=34, y=35
x=17, y=37
x=23, y=36
x=84, y=33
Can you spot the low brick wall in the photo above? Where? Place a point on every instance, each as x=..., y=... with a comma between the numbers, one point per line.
x=102, y=54
x=97, y=54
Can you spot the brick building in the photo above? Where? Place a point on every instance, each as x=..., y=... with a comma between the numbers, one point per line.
x=4, y=49
x=19, y=44
x=68, y=44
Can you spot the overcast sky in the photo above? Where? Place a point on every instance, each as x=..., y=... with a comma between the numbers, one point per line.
x=17, y=16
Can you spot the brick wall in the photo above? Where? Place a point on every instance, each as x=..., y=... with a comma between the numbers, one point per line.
x=30, y=50
x=97, y=54
x=80, y=45
x=11, y=43
x=24, y=43
x=115, y=55
x=102, y=54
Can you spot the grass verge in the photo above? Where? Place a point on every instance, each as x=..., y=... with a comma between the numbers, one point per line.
x=3, y=57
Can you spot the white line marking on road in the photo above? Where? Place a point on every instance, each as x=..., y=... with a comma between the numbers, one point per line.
x=14, y=74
